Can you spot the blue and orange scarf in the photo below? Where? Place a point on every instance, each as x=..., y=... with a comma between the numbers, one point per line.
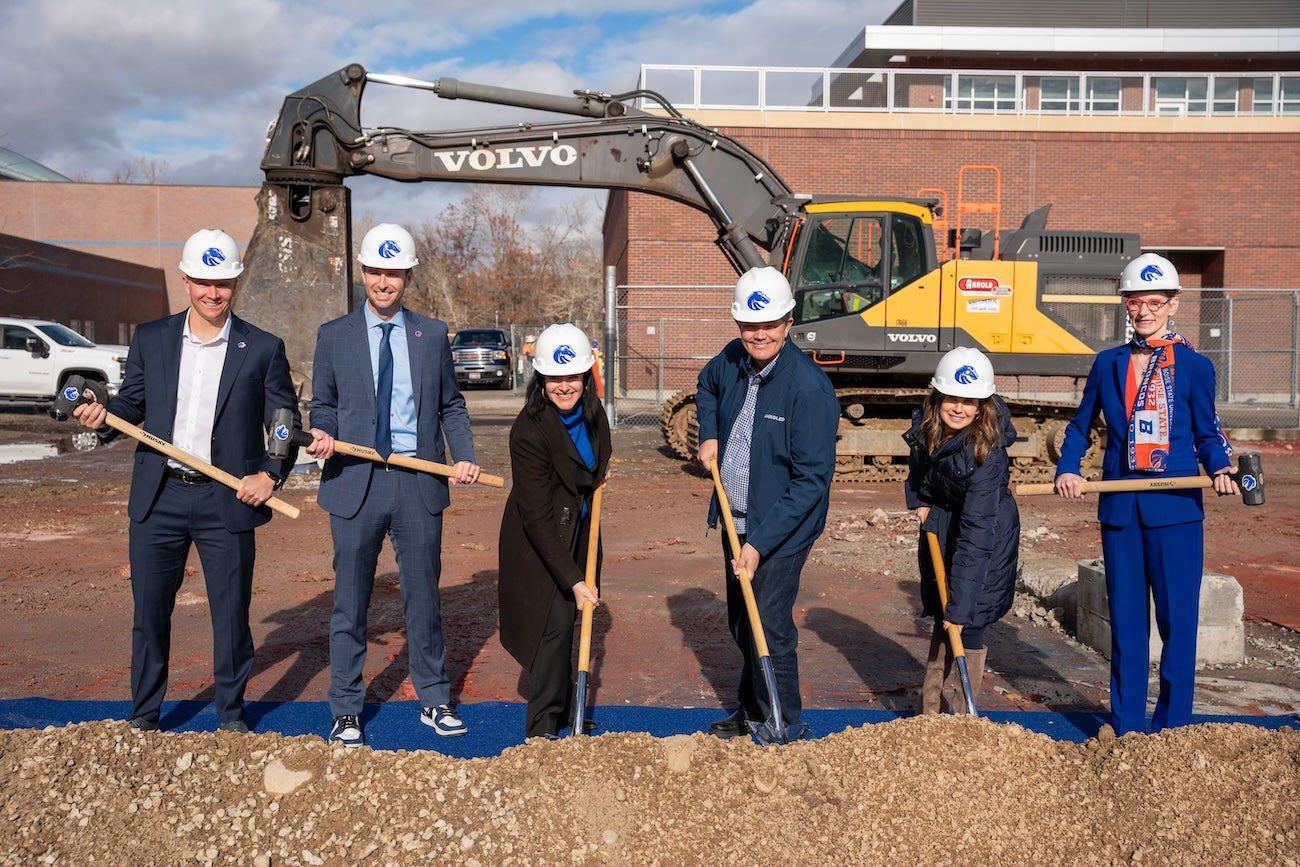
x=1153, y=411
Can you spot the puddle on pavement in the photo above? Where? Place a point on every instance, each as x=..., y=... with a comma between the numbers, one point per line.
x=16, y=452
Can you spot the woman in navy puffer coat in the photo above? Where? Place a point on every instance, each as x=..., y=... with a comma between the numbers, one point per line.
x=959, y=486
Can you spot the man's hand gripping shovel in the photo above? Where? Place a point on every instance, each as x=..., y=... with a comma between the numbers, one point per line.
x=772, y=730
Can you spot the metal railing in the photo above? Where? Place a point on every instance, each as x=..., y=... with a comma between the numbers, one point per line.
x=976, y=91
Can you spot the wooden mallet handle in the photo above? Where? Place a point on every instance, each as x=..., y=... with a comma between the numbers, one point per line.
x=1249, y=476
x=282, y=432
x=74, y=393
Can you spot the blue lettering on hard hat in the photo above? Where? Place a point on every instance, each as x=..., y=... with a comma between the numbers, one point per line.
x=281, y=432
x=1151, y=272
x=564, y=354
x=71, y=393
x=757, y=300
x=966, y=375
x=1248, y=483
x=213, y=257
x=389, y=250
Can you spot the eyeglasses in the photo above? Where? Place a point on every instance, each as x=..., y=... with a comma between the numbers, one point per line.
x=1136, y=304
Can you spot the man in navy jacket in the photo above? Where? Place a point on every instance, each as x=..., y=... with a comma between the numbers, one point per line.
x=769, y=416
x=207, y=382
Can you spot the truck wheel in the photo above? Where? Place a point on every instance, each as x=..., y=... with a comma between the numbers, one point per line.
x=508, y=384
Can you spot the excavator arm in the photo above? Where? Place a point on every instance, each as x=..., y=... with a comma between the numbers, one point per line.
x=299, y=260
x=319, y=138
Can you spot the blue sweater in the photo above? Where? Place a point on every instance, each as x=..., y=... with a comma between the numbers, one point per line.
x=792, y=454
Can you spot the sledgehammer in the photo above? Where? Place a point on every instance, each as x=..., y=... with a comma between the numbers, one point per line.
x=283, y=432
x=1249, y=476
x=75, y=393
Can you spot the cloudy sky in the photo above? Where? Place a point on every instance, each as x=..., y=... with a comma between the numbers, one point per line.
x=97, y=84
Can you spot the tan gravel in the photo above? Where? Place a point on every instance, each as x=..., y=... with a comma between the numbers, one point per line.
x=926, y=790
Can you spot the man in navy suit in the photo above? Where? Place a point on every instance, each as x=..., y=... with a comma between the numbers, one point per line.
x=383, y=375
x=207, y=382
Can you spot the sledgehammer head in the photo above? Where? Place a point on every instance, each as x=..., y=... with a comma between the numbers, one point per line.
x=73, y=394
x=283, y=433
x=1250, y=478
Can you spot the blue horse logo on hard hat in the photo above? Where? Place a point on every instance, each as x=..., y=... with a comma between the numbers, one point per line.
x=966, y=374
x=389, y=249
x=757, y=300
x=1151, y=273
x=564, y=354
x=281, y=432
x=212, y=257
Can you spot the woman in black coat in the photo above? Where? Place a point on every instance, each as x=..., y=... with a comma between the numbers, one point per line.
x=958, y=483
x=559, y=452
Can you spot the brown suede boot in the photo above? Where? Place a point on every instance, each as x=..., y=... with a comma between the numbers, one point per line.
x=975, y=665
x=932, y=685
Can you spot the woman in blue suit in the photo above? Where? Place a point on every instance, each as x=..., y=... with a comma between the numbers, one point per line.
x=1156, y=396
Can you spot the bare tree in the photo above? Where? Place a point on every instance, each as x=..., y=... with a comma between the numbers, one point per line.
x=142, y=170
x=480, y=264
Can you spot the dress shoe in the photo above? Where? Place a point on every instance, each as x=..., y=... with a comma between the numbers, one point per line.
x=732, y=726
x=141, y=724
x=238, y=726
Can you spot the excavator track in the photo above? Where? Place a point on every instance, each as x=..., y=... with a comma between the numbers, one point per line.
x=870, y=446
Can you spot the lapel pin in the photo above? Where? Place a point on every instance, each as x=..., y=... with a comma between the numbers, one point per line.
x=242, y=345
x=419, y=334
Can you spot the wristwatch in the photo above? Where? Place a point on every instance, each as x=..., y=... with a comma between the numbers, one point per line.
x=279, y=482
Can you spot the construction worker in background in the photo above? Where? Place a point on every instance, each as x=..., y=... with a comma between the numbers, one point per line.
x=526, y=353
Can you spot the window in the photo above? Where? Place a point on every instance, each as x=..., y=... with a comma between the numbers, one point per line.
x=1103, y=96
x=1180, y=97
x=1059, y=95
x=1261, y=101
x=1225, y=96
x=1290, y=96
x=981, y=93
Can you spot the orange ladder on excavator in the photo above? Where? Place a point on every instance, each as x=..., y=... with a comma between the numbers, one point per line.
x=992, y=207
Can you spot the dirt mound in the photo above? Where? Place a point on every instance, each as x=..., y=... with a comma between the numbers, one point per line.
x=920, y=790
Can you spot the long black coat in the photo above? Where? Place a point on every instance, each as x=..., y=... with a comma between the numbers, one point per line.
x=974, y=514
x=542, y=549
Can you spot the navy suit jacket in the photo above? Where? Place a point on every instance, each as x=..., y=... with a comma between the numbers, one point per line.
x=254, y=384
x=1193, y=438
x=343, y=405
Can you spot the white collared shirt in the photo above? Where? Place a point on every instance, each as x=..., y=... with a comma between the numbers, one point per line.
x=196, y=391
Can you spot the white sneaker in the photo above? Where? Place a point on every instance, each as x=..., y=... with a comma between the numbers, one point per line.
x=346, y=730
x=444, y=721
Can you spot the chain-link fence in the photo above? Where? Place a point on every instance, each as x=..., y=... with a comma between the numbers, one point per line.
x=1251, y=335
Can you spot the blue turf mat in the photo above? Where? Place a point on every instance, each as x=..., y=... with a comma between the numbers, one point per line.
x=497, y=726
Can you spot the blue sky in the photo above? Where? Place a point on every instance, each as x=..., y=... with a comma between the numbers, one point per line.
x=96, y=84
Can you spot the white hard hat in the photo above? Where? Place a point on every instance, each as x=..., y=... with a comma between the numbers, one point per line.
x=762, y=295
x=388, y=245
x=1149, y=273
x=964, y=372
x=562, y=350
x=211, y=254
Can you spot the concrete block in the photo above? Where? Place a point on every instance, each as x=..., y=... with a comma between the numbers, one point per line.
x=1221, y=630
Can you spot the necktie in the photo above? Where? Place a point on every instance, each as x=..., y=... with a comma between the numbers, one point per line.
x=384, y=393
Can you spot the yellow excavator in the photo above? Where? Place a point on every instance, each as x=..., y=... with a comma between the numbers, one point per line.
x=880, y=292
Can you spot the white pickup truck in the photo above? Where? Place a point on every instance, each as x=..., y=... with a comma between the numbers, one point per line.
x=37, y=355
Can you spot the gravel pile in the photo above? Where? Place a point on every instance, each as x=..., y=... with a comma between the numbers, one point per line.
x=933, y=790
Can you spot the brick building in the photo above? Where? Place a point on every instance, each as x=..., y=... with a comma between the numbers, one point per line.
x=106, y=254
x=1179, y=122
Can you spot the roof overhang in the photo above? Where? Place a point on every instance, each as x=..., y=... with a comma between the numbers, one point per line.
x=878, y=44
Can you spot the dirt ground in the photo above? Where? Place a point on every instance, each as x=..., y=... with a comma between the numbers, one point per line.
x=1011, y=796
